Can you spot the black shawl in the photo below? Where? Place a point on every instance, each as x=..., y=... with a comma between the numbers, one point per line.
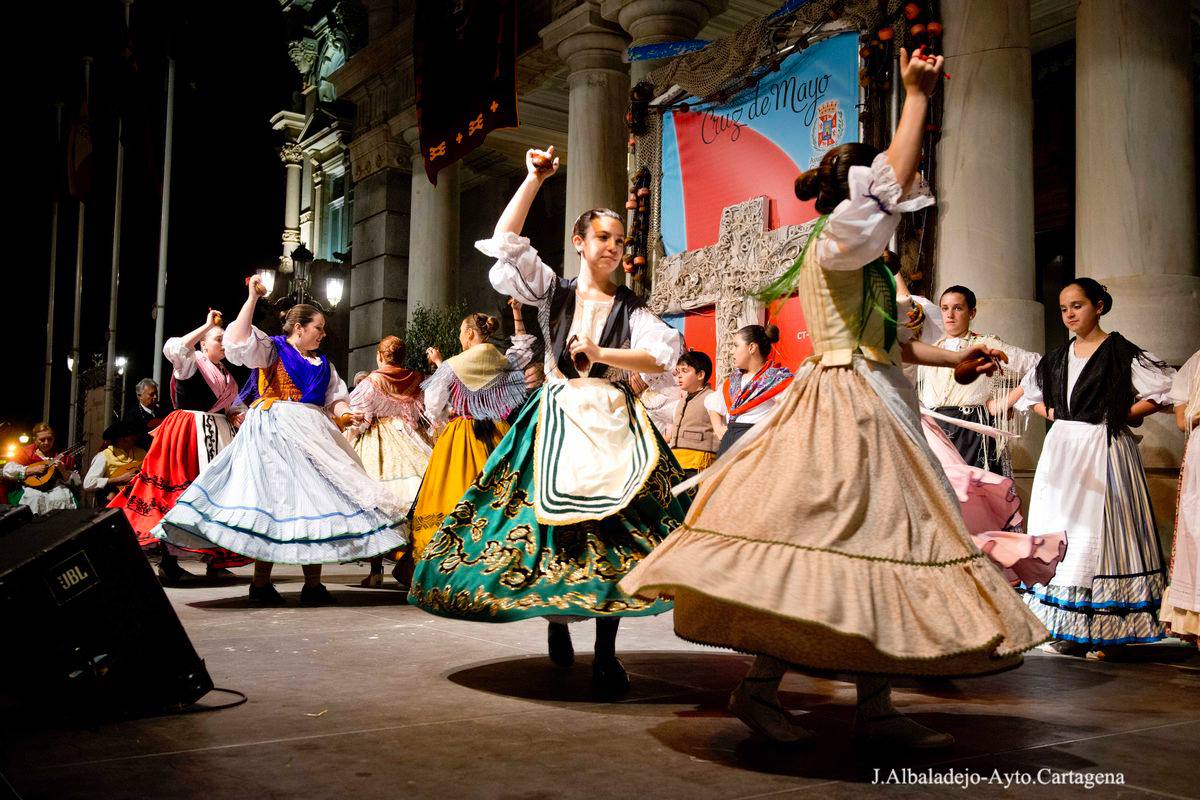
x=1104, y=391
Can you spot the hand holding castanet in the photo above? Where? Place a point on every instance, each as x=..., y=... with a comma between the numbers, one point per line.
x=256, y=287
x=541, y=163
x=979, y=360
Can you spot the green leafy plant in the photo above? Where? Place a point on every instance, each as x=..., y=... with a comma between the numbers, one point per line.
x=432, y=327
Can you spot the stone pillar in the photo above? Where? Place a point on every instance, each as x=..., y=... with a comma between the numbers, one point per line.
x=316, y=242
x=659, y=21
x=292, y=156
x=598, y=83
x=1135, y=191
x=379, y=278
x=433, y=236
x=985, y=176
x=1135, y=196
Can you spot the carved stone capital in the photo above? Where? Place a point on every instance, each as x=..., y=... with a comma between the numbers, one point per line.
x=291, y=236
x=586, y=41
x=652, y=21
x=292, y=154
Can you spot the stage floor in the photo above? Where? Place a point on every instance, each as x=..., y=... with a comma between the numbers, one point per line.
x=373, y=698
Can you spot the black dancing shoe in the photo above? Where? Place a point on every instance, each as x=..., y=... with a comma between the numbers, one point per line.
x=316, y=596
x=216, y=573
x=172, y=574
x=266, y=596
x=609, y=678
x=558, y=637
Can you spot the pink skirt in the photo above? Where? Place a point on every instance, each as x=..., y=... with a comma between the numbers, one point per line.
x=990, y=509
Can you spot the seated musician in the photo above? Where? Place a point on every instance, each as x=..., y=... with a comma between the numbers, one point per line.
x=148, y=412
x=117, y=464
x=46, y=475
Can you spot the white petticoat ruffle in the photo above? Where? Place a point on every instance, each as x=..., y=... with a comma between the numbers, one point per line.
x=289, y=489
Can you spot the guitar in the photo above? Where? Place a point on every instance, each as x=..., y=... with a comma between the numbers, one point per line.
x=127, y=469
x=54, y=471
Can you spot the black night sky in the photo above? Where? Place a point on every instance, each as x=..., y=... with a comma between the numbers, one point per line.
x=232, y=75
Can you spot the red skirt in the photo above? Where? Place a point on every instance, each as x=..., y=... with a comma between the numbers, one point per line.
x=170, y=466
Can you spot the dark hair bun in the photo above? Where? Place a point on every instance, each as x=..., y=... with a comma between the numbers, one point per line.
x=493, y=324
x=1096, y=293
x=772, y=332
x=283, y=315
x=808, y=185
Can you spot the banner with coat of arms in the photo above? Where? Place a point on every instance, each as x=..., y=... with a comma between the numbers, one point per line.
x=717, y=155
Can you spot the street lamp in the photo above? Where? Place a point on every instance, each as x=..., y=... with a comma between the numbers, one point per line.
x=334, y=287
x=120, y=363
x=300, y=288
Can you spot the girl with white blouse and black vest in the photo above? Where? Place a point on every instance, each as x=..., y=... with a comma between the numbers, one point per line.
x=579, y=490
x=1090, y=481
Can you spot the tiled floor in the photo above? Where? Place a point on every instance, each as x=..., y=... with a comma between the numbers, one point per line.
x=372, y=698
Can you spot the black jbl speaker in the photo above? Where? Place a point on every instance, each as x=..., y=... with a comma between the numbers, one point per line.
x=86, y=624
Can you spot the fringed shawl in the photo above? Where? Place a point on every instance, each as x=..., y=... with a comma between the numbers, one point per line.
x=479, y=383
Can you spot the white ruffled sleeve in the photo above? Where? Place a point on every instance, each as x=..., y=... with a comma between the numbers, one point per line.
x=518, y=272
x=336, y=390
x=934, y=328
x=1183, y=380
x=14, y=471
x=182, y=358
x=858, y=230
x=520, y=351
x=715, y=402
x=437, y=394
x=1152, y=383
x=257, y=351
x=656, y=337
x=1033, y=392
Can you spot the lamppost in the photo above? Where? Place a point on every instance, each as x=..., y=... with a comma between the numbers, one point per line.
x=121, y=362
x=300, y=288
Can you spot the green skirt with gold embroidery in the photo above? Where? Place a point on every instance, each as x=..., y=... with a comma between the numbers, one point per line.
x=492, y=561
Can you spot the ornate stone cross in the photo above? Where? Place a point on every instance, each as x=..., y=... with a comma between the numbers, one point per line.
x=745, y=257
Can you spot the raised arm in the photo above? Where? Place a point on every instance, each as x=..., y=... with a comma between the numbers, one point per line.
x=920, y=79
x=191, y=339
x=240, y=329
x=541, y=164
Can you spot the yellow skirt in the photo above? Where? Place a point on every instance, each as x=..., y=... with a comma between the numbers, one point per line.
x=458, y=458
x=697, y=460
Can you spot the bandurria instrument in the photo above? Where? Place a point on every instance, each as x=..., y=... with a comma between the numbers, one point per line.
x=54, y=472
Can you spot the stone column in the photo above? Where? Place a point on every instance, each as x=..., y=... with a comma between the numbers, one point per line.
x=1135, y=196
x=292, y=156
x=659, y=21
x=316, y=241
x=433, y=236
x=379, y=278
x=1135, y=191
x=985, y=175
x=598, y=83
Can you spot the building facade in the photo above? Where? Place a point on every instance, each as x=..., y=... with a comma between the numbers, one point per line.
x=357, y=187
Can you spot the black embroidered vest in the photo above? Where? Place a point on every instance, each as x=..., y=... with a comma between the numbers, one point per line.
x=556, y=325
